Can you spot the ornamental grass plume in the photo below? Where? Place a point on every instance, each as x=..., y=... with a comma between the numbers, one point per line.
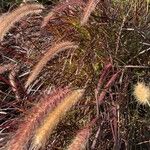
x=6, y=67
x=79, y=143
x=20, y=140
x=45, y=130
x=59, y=8
x=56, y=48
x=80, y=140
x=7, y=21
x=142, y=93
x=90, y=7
x=13, y=82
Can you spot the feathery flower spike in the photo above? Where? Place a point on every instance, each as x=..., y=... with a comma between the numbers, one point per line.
x=60, y=8
x=6, y=67
x=88, y=10
x=20, y=140
x=79, y=142
x=8, y=20
x=142, y=93
x=48, y=55
x=43, y=132
x=13, y=82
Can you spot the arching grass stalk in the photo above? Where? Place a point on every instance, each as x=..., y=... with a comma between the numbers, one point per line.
x=8, y=20
x=31, y=121
x=52, y=51
x=45, y=130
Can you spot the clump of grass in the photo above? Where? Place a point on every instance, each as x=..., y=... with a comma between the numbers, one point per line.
x=16, y=15
x=116, y=33
x=50, y=122
x=13, y=82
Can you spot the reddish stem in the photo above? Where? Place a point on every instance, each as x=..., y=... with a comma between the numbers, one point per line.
x=107, y=86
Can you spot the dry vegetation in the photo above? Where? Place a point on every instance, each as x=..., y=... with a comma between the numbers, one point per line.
x=75, y=75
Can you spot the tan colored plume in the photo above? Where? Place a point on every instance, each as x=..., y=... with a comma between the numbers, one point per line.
x=88, y=10
x=7, y=21
x=42, y=134
x=60, y=7
x=142, y=93
x=56, y=48
x=13, y=82
x=81, y=138
x=79, y=143
x=6, y=67
x=21, y=138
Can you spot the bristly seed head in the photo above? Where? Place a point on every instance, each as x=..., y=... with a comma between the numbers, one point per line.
x=142, y=93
